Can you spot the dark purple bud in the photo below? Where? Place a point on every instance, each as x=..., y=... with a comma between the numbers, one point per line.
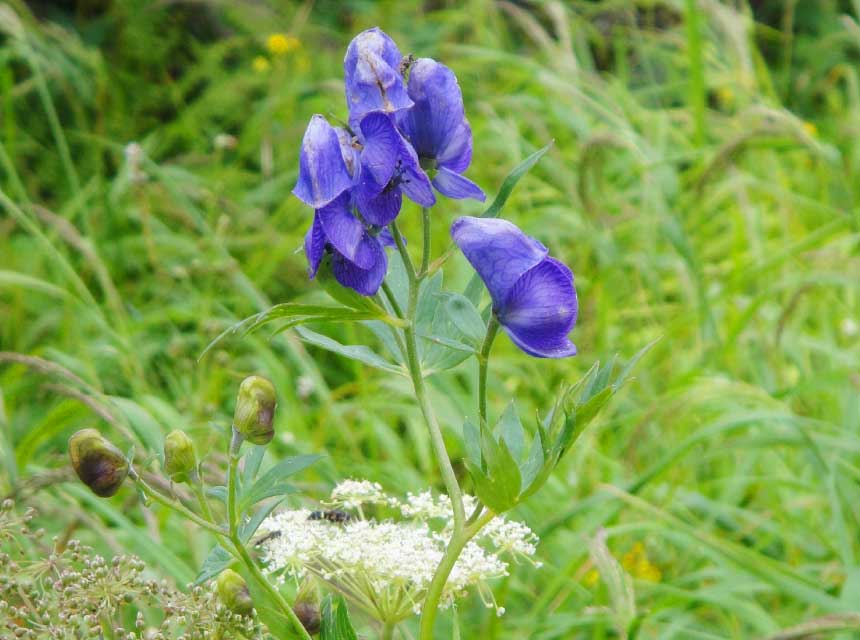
x=99, y=464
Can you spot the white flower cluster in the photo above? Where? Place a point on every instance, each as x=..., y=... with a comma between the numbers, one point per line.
x=386, y=566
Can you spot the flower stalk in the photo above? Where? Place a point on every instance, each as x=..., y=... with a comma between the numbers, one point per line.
x=417, y=376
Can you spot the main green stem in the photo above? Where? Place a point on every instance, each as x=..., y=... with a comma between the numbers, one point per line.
x=483, y=366
x=434, y=592
x=388, y=631
x=417, y=375
x=461, y=533
x=425, y=256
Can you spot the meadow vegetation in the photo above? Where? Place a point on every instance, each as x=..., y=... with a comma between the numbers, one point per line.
x=703, y=184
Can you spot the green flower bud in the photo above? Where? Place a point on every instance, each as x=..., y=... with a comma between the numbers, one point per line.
x=179, y=456
x=99, y=464
x=234, y=593
x=255, y=410
x=307, y=607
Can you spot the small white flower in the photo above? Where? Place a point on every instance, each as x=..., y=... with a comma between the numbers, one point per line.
x=353, y=493
x=386, y=567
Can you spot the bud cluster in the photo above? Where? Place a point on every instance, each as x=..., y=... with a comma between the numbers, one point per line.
x=71, y=592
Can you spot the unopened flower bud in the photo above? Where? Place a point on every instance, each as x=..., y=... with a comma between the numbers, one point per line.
x=308, y=614
x=179, y=456
x=234, y=593
x=99, y=464
x=255, y=410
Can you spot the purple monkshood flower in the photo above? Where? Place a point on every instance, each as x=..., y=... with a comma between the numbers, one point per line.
x=533, y=295
x=389, y=168
x=323, y=170
x=358, y=259
x=436, y=126
x=373, y=78
x=328, y=164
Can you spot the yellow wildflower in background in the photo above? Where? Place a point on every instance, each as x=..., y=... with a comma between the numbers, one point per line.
x=280, y=44
x=637, y=564
x=260, y=64
x=810, y=129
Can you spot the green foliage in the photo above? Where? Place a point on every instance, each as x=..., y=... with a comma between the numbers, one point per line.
x=503, y=471
x=336, y=624
x=721, y=215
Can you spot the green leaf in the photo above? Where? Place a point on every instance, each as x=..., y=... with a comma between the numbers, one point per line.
x=250, y=527
x=531, y=468
x=271, y=482
x=268, y=609
x=472, y=442
x=253, y=459
x=510, y=429
x=353, y=352
x=622, y=377
x=219, y=493
x=335, y=622
x=217, y=560
x=498, y=487
x=474, y=290
x=465, y=317
x=291, y=314
x=511, y=181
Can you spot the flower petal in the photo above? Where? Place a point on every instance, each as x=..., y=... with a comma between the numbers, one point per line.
x=456, y=186
x=372, y=75
x=437, y=115
x=314, y=246
x=457, y=154
x=363, y=281
x=498, y=251
x=381, y=150
x=380, y=210
x=541, y=310
x=348, y=150
x=323, y=175
x=345, y=232
x=415, y=183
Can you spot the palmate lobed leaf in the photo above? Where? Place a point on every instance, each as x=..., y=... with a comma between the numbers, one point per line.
x=504, y=472
x=335, y=623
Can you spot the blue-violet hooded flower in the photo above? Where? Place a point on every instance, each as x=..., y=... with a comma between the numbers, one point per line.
x=329, y=163
x=358, y=259
x=389, y=168
x=323, y=172
x=372, y=76
x=436, y=126
x=534, y=298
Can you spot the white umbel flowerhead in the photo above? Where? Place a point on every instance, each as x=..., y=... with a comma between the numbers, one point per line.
x=385, y=566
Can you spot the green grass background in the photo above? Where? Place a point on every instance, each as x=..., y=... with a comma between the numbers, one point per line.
x=703, y=186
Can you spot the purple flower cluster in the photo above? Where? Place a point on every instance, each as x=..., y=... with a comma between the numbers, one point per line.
x=399, y=132
x=408, y=135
